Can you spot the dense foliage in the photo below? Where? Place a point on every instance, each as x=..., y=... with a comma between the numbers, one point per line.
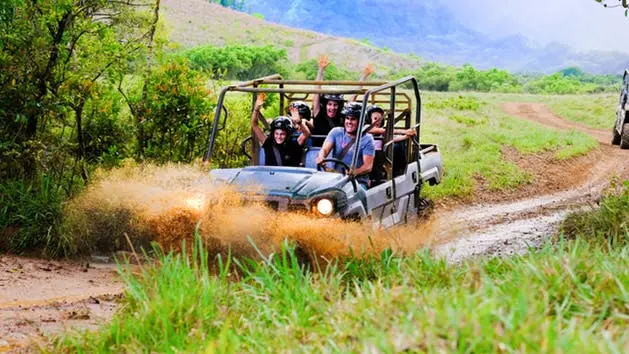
x=438, y=77
x=238, y=62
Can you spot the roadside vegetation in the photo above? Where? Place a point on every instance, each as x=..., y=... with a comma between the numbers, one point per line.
x=568, y=296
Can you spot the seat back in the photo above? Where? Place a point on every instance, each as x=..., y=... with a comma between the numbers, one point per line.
x=311, y=155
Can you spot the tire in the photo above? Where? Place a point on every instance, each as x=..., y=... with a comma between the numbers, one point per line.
x=615, y=137
x=624, y=137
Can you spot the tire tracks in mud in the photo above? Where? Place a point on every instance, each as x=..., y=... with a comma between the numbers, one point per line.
x=498, y=229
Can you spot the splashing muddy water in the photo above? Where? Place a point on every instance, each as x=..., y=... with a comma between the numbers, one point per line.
x=166, y=205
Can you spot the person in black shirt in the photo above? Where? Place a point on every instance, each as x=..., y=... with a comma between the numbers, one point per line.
x=279, y=148
x=327, y=108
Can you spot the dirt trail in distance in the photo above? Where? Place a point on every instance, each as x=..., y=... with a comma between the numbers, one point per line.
x=39, y=297
x=510, y=227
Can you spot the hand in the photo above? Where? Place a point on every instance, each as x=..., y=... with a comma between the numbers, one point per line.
x=259, y=101
x=294, y=113
x=323, y=61
x=318, y=160
x=368, y=70
x=351, y=172
x=410, y=132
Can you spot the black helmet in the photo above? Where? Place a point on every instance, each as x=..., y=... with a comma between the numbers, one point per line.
x=372, y=109
x=352, y=109
x=333, y=97
x=284, y=123
x=302, y=108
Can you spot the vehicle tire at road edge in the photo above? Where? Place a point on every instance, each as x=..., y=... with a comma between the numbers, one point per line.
x=624, y=137
x=615, y=137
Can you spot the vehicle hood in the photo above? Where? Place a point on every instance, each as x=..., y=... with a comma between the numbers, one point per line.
x=273, y=180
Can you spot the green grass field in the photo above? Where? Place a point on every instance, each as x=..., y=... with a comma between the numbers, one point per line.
x=596, y=110
x=472, y=131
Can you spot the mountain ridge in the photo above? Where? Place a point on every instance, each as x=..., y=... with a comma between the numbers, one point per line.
x=430, y=30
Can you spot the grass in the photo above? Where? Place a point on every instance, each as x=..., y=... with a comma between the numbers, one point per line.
x=568, y=297
x=595, y=110
x=472, y=132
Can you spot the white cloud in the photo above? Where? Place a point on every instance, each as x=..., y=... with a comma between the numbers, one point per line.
x=582, y=24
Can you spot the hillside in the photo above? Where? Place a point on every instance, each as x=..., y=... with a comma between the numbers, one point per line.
x=429, y=29
x=196, y=22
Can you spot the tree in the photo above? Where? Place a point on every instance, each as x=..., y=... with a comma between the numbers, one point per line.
x=52, y=55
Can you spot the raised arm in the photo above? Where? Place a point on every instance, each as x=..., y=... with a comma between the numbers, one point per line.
x=323, y=63
x=363, y=77
x=305, y=131
x=255, y=116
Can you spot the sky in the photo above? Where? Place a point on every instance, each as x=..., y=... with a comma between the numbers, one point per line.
x=582, y=24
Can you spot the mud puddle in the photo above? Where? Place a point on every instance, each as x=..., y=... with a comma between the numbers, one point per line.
x=39, y=298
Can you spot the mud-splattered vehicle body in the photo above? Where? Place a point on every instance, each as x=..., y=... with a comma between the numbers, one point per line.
x=394, y=197
x=620, y=133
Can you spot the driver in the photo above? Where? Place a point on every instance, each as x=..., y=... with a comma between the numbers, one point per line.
x=342, y=142
x=279, y=148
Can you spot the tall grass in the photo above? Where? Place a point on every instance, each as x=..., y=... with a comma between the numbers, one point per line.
x=30, y=214
x=568, y=297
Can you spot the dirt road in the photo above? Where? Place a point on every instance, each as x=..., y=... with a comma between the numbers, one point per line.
x=510, y=227
x=39, y=297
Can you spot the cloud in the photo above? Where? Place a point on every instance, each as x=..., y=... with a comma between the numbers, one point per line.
x=583, y=24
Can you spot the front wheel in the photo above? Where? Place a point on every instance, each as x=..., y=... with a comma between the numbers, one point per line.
x=615, y=137
x=624, y=136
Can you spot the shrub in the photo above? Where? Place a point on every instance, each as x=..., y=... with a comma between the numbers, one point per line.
x=29, y=216
x=609, y=223
x=308, y=69
x=239, y=62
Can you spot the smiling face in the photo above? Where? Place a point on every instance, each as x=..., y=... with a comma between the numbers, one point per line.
x=279, y=136
x=351, y=124
x=331, y=108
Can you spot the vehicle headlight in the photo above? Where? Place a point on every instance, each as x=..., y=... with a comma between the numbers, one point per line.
x=325, y=207
x=196, y=202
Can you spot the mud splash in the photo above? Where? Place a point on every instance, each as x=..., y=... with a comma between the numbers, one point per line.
x=166, y=205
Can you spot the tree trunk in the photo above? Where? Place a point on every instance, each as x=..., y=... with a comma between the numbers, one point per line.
x=147, y=76
x=80, y=155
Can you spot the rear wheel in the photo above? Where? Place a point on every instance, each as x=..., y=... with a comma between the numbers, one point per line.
x=615, y=137
x=624, y=136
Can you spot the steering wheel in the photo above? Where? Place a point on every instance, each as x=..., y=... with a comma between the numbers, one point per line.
x=337, y=161
x=344, y=171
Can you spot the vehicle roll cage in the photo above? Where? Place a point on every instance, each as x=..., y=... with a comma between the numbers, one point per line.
x=289, y=88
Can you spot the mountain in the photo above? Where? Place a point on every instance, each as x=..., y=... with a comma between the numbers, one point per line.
x=190, y=23
x=429, y=29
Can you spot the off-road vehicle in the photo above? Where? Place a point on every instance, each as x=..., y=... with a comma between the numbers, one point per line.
x=620, y=133
x=394, y=195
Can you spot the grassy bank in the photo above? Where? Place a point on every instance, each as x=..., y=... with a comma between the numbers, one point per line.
x=570, y=296
x=472, y=132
